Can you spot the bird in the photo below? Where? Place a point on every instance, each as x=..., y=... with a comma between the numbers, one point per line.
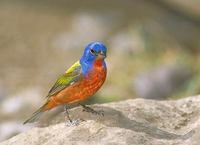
x=80, y=82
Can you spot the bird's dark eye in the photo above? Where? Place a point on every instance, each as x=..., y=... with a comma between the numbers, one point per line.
x=92, y=51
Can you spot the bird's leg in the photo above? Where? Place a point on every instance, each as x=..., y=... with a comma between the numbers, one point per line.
x=90, y=110
x=70, y=122
x=67, y=113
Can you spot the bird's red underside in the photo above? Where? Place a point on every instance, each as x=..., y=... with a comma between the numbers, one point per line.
x=82, y=90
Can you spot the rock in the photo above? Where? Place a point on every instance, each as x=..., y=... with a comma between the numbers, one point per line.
x=130, y=122
x=161, y=82
x=14, y=108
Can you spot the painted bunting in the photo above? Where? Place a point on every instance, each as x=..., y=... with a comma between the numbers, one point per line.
x=78, y=83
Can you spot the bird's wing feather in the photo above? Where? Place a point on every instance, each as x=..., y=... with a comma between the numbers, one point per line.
x=72, y=75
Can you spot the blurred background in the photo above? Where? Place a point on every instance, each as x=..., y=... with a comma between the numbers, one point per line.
x=154, y=50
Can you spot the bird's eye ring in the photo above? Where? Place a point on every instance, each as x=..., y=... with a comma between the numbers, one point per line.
x=92, y=51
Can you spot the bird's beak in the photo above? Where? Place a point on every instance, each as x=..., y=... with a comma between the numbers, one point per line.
x=102, y=55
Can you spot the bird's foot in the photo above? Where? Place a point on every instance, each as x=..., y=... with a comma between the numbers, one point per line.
x=69, y=121
x=90, y=110
x=73, y=122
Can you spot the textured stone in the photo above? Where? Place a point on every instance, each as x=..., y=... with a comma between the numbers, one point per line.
x=130, y=122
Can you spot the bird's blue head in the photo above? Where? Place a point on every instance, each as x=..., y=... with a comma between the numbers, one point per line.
x=92, y=52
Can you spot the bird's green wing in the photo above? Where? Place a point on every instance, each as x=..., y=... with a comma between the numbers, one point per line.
x=72, y=75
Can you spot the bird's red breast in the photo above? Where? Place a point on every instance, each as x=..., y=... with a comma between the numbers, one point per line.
x=82, y=89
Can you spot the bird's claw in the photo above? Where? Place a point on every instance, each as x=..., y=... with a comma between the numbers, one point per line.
x=73, y=122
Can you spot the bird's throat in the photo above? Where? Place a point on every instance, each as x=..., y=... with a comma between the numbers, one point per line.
x=98, y=63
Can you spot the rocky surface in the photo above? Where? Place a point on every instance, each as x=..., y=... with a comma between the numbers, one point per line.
x=138, y=122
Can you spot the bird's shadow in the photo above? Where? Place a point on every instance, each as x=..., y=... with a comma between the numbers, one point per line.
x=114, y=118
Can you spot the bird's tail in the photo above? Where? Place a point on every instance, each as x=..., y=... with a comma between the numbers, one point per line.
x=36, y=115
